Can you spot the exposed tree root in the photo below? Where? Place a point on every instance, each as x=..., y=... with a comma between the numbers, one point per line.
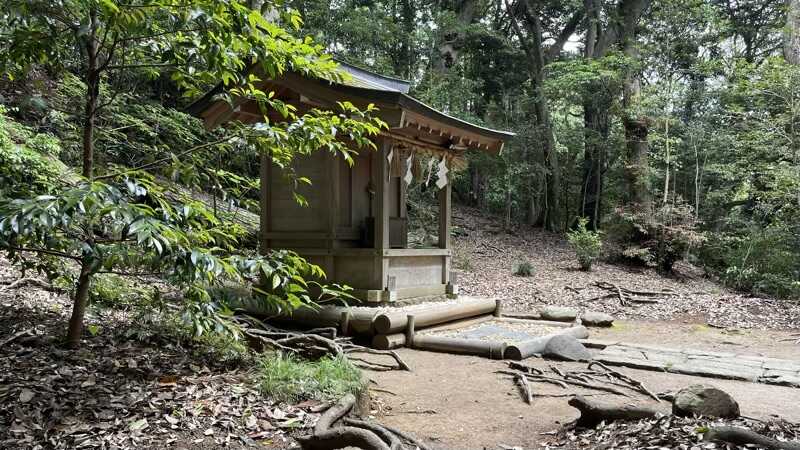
x=32, y=281
x=524, y=368
x=602, y=379
x=28, y=332
x=592, y=413
x=386, y=435
x=352, y=348
x=522, y=382
x=625, y=378
x=743, y=436
x=342, y=437
x=354, y=433
x=627, y=296
x=314, y=344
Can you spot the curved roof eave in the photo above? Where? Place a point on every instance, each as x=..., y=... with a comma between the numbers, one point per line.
x=386, y=97
x=408, y=102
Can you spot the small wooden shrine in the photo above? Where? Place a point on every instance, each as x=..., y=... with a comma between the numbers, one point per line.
x=356, y=224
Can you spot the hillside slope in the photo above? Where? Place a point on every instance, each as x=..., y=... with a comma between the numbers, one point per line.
x=485, y=256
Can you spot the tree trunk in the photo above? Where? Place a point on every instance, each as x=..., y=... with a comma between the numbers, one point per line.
x=405, y=56
x=80, y=301
x=667, y=161
x=450, y=45
x=592, y=413
x=544, y=133
x=621, y=29
x=92, y=92
x=596, y=123
x=636, y=145
x=508, y=209
x=791, y=43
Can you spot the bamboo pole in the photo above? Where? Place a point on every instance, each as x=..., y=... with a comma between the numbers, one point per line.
x=527, y=349
x=389, y=323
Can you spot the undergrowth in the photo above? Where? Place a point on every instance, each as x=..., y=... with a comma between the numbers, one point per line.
x=523, y=269
x=289, y=379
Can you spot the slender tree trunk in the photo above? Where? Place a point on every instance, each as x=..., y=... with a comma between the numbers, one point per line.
x=405, y=58
x=544, y=133
x=666, y=170
x=621, y=29
x=791, y=43
x=596, y=123
x=80, y=301
x=450, y=46
x=92, y=92
x=636, y=145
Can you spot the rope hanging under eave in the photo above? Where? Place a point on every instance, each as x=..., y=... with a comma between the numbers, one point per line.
x=456, y=162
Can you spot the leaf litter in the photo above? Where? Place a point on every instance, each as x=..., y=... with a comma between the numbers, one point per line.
x=121, y=393
x=485, y=256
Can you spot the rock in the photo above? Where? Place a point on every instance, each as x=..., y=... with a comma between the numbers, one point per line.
x=566, y=348
x=596, y=319
x=559, y=313
x=703, y=400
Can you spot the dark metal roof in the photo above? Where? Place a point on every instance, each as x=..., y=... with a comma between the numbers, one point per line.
x=371, y=80
x=375, y=88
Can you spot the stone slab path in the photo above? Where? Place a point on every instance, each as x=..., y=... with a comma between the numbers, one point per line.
x=729, y=366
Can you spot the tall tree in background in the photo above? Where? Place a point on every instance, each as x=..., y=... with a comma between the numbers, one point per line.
x=452, y=36
x=531, y=38
x=753, y=26
x=622, y=22
x=636, y=123
x=791, y=43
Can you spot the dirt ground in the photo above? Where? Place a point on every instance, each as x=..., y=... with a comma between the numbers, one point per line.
x=459, y=402
x=685, y=334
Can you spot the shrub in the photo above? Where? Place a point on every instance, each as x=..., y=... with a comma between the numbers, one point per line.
x=115, y=291
x=25, y=165
x=523, y=269
x=657, y=238
x=587, y=244
x=289, y=379
x=759, y=260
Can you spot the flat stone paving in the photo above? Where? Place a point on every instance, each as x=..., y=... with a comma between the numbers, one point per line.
x=730, y=366
x=508, y=332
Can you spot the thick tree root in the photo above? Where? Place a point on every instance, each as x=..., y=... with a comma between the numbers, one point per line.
x=743, y=436
x=342, y=437
x=592, y=413
x=627, y=296
x=314, y=344
x=626, y=379
x=354, y=433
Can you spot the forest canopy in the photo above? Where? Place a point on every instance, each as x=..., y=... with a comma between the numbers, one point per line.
x=672, y=124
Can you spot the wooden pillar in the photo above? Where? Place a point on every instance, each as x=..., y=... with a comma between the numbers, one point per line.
x=380, y=168
x=445, y=218
x=445, y=215
x=380, y=208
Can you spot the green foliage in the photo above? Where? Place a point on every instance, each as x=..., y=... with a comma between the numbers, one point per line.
x=200, y=43
x=111, y=290
x=133, y=228
x=762, y=261
x=25, y=163
x=159, y=323
x=587, y=244
x=658, y=238
x=290, y=379
x=523, y=269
